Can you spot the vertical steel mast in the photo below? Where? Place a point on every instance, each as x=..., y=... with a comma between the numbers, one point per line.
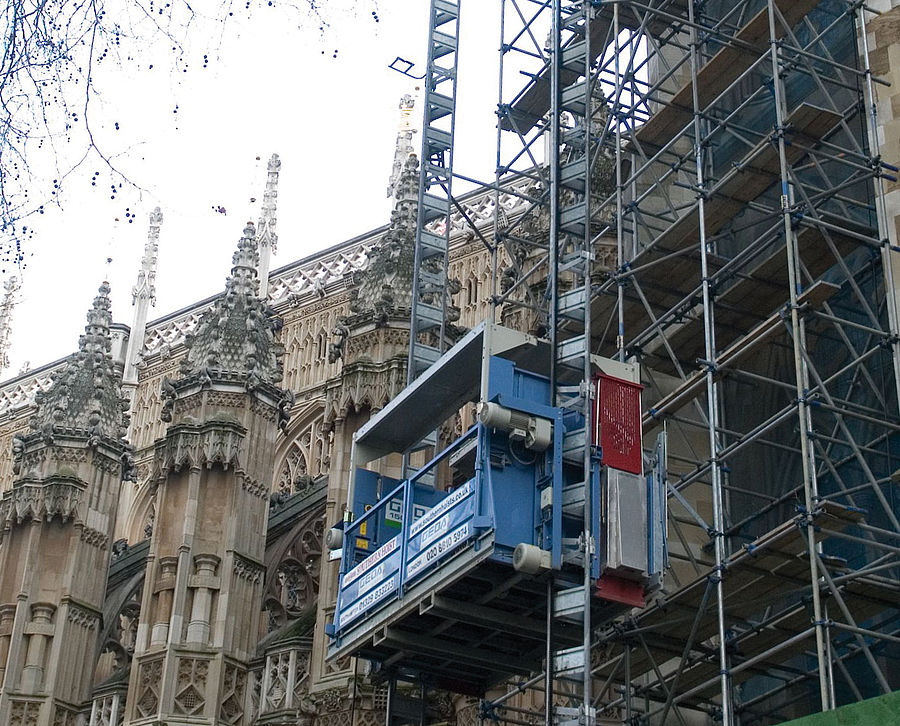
x=428, y=316
x=572, y=157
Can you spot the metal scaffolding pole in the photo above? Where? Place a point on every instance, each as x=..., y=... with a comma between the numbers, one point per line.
x=798, y=344
x=755, y=283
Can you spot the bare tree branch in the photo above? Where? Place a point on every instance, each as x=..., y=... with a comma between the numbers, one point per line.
x=52, y=51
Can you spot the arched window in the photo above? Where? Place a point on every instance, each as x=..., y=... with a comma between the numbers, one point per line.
x=322, y=346
x=293, y=471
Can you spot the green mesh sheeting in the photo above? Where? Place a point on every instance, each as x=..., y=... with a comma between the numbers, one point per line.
x=879, y=711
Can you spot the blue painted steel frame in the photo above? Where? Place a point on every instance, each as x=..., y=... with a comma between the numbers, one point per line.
x=507, y=500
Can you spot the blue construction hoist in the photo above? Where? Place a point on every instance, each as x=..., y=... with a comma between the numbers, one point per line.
x=450, y=580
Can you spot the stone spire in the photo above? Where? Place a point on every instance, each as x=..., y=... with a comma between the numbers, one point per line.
x=143, y=295
x=235, y=340
x=145, y=288
x=203, y=592
x=385, y=287
x=85, y=398
x=404, y=148
x=267, y=237
x=10, y=299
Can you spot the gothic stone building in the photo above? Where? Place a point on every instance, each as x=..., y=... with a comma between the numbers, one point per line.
x=228, y=424
x=164, y=492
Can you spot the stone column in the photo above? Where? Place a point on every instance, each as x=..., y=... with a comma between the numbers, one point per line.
x=7, y=614
x=204, y=584
x=159, y=633
x=38, y=632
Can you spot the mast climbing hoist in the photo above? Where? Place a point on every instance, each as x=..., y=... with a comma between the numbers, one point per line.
x=449, y=579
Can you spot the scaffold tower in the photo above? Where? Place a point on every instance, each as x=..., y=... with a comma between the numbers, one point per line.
x=704, y=211
x=717, y=166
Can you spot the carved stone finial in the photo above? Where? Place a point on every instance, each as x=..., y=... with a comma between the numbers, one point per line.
x=235, y=336
x=386, y=285
x=85, y=397
x=266, y=236
x=10, y=298
x=404, y=148
x=146, y=282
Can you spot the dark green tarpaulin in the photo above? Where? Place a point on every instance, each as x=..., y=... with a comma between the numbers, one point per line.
x=879, y=711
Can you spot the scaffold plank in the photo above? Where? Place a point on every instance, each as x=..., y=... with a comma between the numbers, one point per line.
x=757, y=576
x=723, y=69
x=694, y=384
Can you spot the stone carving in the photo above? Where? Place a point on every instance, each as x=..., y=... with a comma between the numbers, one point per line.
x=247, y=569
x=119, y=548
x=191, y=445
x=255, y=694
x=267, y=219
x=332, y=700
x=146, y=282
x=105, y=708
x=234, y=336
x=231, y=710
x=94, y=537
x=301, y=674
x=24, y=713
x=85, y=397
x=18, y=453
x=151, y=518
x=287, y=672
x=82, y=617
x=404, y=147
x=168, y=394
x=148, y=688
x=254, y=487
x=129, y=472
x=55, y=498
x=10, y=300
x=366, y=384
x=285, y=405
x=190, y=686
x=385, y=287
x=279, y=667
x=224, y=399
x=340, y=333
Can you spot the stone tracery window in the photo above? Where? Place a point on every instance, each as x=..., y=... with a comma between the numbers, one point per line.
x=294, y=584
x=307, y=457
x=294, y=468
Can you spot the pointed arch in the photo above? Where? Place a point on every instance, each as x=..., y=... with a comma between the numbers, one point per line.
x=142, y=512
x=303, y=452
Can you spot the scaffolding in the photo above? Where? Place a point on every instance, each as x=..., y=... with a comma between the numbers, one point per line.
x=708, y=200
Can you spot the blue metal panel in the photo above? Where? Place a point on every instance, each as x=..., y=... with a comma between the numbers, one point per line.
x=405, y=531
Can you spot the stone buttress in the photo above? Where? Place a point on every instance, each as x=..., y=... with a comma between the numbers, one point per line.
x=202, y=599
x=56, y=527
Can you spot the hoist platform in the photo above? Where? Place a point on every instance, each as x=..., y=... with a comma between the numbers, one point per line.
x=446, y=572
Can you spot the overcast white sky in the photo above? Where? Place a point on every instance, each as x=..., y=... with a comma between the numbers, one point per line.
x=275, y=87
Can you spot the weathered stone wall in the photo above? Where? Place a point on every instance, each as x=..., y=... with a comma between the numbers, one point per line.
x=883, y=36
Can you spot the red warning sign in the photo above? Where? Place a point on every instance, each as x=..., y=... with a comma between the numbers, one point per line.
x=617, y=423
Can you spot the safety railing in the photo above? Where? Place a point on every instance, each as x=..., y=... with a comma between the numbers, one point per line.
x=427, y=536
